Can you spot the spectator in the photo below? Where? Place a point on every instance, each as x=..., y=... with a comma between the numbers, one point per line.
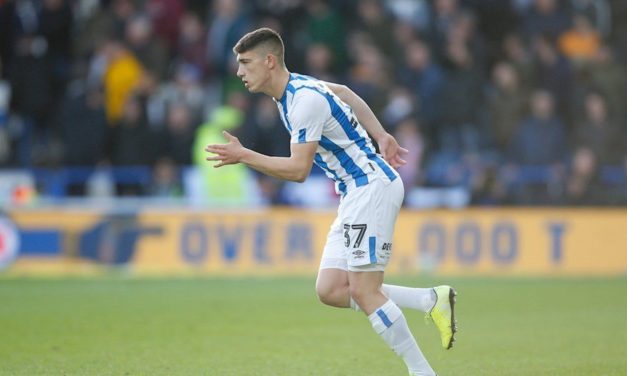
x=55, y=25
x=599, y=13
x=369, y=76
x=324, y=26
x=166, y=182
x=122, y=76
x=178, y=135
x=442, y=17
x=410, y=136
x=374, y=19
x=581, y=42
x=506, y=102
x=228, y=22
x=263, y=130
x=166, y=16
x=221, y=187
x=192, y=44
x=539, y=138
x=421, y=75
x=108, y=22
x=184, y=88
x=599, y=133
x=84, y=127
x=150, y=52
x=609, y=77
x=132, y=143
x=319, y=62
x=539, y=142
x=31, y=79
x=518, y=54
x=554, y=73
x=459, y=131
x=584, y=185
x=463, y=30
x=546, y=18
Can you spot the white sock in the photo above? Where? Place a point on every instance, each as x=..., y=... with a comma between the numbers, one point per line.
x=388, y=321
x=406, y=297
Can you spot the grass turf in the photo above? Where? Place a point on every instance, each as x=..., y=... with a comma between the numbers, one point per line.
x=127, y=326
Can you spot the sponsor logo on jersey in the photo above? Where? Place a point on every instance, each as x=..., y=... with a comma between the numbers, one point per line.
x=9, y=242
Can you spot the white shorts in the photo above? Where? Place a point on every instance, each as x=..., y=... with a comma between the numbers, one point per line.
x=360, y=238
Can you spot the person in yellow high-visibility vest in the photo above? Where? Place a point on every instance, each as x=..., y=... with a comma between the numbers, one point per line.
x=222, y=187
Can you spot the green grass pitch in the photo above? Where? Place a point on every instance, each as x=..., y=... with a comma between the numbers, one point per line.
x=263, y=326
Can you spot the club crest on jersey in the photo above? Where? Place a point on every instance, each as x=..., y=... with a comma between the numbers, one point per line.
x=9, y=242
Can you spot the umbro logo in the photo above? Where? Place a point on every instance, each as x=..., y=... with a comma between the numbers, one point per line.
x=359, y=253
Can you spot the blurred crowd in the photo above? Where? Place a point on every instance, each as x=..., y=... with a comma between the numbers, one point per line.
x=504, y=102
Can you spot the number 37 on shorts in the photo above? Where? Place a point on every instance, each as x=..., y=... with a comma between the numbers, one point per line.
x=364, y=248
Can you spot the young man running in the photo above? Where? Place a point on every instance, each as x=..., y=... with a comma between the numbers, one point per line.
x=329, y=125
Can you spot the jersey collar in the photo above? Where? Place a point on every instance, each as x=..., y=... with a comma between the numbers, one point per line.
x=288, y=87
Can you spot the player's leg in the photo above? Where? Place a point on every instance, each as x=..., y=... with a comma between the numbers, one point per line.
x=437, y=302
x=369, y=226
x=332, y=281
x=418, y=298
x=386, y=318
x=332, y=287
x=421, y=299
x=365, y=289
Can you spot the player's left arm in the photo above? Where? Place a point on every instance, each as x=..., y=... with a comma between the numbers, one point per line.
x=390, y=149
x=296, y=167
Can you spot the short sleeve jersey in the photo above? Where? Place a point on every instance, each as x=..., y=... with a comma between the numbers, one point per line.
x=311, y=112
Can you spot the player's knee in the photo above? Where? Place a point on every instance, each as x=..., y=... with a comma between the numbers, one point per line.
x=333, y=294
x=357, y=293
x=361, y=294
x=326, y=293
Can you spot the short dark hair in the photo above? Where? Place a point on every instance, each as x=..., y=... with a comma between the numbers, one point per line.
x=265, y=37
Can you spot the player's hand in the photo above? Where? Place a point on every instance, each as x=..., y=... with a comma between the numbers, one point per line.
x=391, y=151
x=226, y=154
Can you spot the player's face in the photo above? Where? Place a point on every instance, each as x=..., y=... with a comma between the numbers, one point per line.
x=253, y=70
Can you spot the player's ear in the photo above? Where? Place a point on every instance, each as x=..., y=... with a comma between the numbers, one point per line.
x=271, y=61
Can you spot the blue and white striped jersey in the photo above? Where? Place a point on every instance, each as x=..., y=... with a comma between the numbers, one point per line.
x=311, y=112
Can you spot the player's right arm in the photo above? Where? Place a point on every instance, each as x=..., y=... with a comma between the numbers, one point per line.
x=391, y=151
x=296, y=167
x=307, y=118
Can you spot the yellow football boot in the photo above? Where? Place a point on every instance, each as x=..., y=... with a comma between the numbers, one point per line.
x=443, y=314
